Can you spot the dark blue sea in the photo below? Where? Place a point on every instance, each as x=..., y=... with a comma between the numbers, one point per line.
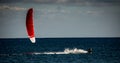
x=105, y=50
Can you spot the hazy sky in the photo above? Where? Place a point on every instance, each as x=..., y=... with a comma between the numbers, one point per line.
x=58, y=1
x=57, y=20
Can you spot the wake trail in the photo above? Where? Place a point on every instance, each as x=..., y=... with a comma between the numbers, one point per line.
x=66, y=51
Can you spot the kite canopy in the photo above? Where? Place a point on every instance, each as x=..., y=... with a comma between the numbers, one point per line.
x=30, y=25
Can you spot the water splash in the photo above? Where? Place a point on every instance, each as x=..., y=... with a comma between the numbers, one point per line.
x=66, y=51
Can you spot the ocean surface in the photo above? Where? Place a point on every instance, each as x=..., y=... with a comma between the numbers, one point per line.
x=105, y=50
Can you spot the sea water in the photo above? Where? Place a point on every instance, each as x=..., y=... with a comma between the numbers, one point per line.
x=105, y=50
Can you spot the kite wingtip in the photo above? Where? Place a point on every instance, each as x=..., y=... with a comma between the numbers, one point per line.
x=33, y=39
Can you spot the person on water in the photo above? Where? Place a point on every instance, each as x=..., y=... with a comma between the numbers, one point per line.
x=90, y=50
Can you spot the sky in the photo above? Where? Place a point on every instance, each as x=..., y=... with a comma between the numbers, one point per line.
x=94, y=18
x=58, y=1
